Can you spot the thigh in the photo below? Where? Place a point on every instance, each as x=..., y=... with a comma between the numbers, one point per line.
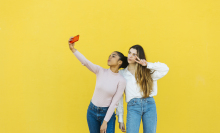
x=133, y=117
x=149, y=117
x=93, y=124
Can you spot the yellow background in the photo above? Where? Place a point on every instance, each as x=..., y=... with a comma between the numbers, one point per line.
x=45, y=89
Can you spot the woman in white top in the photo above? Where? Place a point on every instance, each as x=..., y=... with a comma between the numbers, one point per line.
x=141, y=85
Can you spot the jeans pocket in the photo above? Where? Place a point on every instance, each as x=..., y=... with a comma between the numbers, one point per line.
x=131, y=102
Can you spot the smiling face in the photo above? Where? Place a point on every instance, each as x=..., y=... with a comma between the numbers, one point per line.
x=113, y=59
x=132, y=56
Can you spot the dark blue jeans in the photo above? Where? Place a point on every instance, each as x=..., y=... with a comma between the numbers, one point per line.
x=95, y=117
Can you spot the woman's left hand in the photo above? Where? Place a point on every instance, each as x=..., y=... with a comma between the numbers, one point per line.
x=143, y=62
x=103, y=127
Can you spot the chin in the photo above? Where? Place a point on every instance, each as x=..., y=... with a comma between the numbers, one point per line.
x=130, y=62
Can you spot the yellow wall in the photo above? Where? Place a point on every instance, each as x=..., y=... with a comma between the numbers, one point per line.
x=44, y=89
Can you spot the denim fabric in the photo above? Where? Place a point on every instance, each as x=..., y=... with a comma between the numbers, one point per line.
x=95, y=117
x=141, y=108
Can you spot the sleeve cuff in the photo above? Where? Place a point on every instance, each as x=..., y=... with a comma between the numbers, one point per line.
x=75, y=52
x=150, y=65
x=120, y=118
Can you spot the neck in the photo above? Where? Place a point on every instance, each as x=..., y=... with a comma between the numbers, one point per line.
x=131, y=66
x=114, y=69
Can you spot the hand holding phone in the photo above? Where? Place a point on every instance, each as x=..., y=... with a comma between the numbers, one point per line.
x=74, y=39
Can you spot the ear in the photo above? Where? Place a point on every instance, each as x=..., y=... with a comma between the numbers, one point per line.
x=119, y=62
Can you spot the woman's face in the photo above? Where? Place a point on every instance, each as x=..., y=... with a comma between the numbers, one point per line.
x=132, y=56
x=113, y=59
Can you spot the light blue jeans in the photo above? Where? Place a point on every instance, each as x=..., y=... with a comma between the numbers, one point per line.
x=141, y=108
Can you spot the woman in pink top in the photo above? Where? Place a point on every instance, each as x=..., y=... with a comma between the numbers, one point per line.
x=109, y=88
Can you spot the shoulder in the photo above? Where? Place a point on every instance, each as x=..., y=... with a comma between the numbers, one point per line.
x=121, y=71
x=122, y=80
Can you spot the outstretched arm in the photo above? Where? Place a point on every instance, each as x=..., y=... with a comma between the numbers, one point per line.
x=159, y=69
x=92, y=67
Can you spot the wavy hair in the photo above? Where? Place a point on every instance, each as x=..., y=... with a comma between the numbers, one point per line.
x=142, y=73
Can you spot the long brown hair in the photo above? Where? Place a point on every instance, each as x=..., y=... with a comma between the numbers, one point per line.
x=143, y=74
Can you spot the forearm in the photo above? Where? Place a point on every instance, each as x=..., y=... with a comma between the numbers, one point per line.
x=157, y=66
x=120, y=110
x=115, y=100
x=159, y=70
x=92, y=67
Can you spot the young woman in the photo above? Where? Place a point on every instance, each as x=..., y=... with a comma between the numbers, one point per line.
x=141, y=77
x=109, y=88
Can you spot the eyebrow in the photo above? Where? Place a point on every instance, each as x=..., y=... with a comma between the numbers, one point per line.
x=131, y=52
x=113, y=54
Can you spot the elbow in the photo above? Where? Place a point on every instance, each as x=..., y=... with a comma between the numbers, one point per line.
x=168, y=69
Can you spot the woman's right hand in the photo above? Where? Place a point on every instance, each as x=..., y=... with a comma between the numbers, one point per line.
x=71, y=45
x=122, y=126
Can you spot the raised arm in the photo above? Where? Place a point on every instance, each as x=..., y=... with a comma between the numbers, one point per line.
x=159, y=69
x=92, y=67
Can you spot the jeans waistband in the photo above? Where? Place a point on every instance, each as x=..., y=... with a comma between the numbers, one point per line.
x=94, y=107
x=143, y=99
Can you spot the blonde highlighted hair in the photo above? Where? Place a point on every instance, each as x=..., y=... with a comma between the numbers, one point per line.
x=143, y=74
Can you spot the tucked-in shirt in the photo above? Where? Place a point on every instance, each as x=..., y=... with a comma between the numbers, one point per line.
x=109, y=86
x=132, y=90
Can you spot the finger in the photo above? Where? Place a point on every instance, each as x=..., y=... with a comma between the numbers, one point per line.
x=70, y=43
x=144, y=61
x=138, y=58
x=70, y=38
x=138, y=61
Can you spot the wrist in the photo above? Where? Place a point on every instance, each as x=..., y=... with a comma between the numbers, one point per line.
x=73, y=50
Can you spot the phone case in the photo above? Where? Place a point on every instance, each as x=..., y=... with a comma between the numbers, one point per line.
x=75, y=39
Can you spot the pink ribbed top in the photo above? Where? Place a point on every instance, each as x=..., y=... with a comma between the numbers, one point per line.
x=109, y=86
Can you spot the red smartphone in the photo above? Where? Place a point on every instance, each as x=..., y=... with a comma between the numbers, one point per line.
x=74, y=39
